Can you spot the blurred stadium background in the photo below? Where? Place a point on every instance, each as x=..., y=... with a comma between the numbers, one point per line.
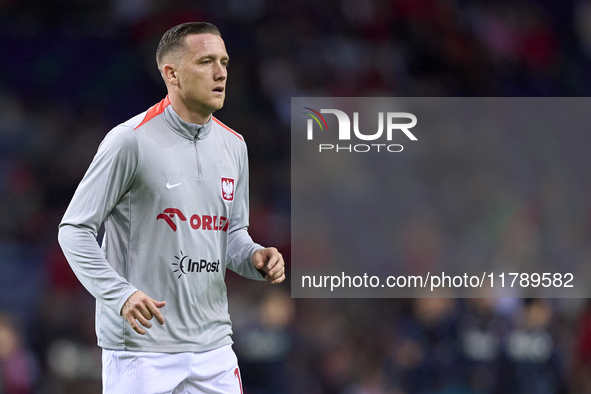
x=73, y=69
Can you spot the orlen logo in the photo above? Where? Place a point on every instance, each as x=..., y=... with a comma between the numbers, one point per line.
x=203, y=222
x=345, y=130
x=169, y=214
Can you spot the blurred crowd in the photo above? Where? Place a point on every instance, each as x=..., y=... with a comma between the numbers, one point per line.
x=73, y=69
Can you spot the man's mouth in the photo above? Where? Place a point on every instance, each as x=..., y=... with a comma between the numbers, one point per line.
x=219, y=89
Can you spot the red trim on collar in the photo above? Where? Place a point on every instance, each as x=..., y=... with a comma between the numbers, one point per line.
x=227, y=128
x=154, y=111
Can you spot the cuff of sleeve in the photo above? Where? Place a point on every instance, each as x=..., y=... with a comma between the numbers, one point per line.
x=256, y=247
x=253, y=249
x=125, y=296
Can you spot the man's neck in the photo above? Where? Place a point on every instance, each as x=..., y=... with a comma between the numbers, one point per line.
x=186, y=114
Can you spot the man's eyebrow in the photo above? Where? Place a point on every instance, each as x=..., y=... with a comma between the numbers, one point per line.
x=210, y=56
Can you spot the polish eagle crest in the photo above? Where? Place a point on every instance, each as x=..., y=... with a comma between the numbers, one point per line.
x=228, y=189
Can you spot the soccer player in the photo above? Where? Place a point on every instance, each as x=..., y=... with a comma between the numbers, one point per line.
x=171, y=186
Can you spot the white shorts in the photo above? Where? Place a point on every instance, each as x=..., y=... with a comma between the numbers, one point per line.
x=212, y=372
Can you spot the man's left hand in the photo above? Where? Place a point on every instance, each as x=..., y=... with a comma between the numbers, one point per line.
x=270, y=261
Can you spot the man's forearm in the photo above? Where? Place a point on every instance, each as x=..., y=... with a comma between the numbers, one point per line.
x=91, y=268
x=240, y=250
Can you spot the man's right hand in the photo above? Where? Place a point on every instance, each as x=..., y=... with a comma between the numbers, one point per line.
x=142, y=308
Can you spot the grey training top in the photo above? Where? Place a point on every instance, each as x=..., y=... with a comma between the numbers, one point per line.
x=174, y=200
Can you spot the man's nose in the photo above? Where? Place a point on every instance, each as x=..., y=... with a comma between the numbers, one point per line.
x=220, y=73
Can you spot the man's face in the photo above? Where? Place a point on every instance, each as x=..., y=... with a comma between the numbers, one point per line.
x=202, y=73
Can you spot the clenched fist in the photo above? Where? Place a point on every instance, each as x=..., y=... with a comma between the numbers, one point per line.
x=270, y=261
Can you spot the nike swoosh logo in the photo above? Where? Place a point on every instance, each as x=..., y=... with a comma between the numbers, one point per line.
x=169, y=186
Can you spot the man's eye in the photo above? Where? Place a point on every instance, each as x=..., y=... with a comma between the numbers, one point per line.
x=206, y=62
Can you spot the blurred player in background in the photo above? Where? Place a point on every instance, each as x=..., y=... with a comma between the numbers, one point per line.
x=171, y=186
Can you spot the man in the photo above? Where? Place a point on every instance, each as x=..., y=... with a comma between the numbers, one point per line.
x=171, y=186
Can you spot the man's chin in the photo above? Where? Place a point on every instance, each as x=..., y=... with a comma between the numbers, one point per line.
x=216, y=100
x=218, y=105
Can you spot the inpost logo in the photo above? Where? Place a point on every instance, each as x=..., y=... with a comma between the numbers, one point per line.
x=186, y=265
x=395, y=122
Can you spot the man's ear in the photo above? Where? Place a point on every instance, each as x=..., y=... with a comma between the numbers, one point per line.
x=170, y=74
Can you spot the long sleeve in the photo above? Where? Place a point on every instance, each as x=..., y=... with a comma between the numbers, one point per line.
x=108, y=178
x=240, y=244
